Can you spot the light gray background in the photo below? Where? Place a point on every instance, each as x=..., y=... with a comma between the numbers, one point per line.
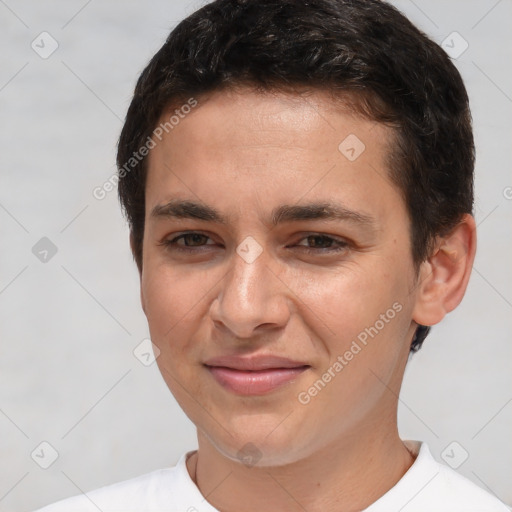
x=69, y=326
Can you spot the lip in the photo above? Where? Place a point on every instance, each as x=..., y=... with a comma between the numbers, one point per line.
x=255, y=375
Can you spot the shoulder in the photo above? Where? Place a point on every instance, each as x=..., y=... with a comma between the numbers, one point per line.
x=429, y=485
x=161, y=490
x=456, y=492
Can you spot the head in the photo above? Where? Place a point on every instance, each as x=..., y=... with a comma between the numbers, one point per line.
x=255, y=104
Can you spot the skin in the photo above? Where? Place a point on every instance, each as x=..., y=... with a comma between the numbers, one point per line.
x=244, y=154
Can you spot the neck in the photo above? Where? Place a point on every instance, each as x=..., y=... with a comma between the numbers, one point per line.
x=348, y=475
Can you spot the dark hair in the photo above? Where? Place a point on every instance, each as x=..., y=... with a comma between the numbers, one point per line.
x=362, y=51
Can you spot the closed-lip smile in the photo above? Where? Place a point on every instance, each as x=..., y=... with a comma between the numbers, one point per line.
x=254, y=375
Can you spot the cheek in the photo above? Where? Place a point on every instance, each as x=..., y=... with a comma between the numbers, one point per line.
x=174, y=299
x=361, y=320
x=341, y=303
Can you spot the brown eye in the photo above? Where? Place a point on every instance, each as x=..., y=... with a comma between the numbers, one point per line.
x=188, y=242
x=322, y=243
x=192, y=239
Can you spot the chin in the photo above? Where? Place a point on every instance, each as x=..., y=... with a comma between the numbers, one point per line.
x=261, y=446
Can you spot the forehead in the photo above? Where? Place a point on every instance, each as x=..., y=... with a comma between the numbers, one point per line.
x=249, y=117
x=274, y=147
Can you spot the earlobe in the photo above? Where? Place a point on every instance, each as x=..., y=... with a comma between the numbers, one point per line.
x=444, y=276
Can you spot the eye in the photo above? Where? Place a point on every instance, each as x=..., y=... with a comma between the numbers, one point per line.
x=319, y=243
x=312, y=243
x=189, y=241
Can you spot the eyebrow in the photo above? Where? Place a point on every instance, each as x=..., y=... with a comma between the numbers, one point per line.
x=184, y=209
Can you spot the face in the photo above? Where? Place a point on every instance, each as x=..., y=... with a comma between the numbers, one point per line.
x=277, y=273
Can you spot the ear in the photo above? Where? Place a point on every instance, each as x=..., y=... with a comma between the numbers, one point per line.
x=444, y=276
x=132, y=247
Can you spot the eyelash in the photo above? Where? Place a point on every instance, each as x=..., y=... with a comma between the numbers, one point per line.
x=341, y=244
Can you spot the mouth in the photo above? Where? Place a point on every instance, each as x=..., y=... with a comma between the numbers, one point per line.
x=253, y=376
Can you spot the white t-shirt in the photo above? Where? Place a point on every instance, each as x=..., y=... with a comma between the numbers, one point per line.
x=426, y=487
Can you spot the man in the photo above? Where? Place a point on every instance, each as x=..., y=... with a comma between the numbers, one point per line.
x=298, y=179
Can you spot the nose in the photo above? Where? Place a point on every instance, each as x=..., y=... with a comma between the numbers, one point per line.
x=252, y=298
